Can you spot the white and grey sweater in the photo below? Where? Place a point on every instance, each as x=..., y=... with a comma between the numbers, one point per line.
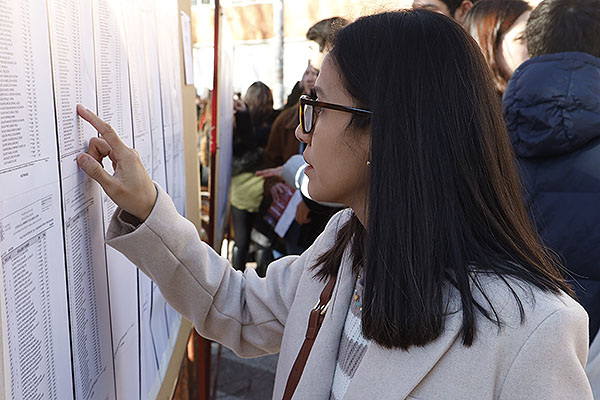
x=353, y=345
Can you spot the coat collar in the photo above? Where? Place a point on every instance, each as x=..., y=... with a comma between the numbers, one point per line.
x=385, y=373
x=382, y=371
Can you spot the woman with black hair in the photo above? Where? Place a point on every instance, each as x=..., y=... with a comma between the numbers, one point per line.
x=432, y=284
x=253, y=116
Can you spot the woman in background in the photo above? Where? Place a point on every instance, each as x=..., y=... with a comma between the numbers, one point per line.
x=254, y=116
x=498, y=26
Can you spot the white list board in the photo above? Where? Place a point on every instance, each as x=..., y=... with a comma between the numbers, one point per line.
x=72, y=50
x=78, y=320
x=161, y=318
x=114, y=107
x=150, y=50
x=172, y=111
x=33, y=302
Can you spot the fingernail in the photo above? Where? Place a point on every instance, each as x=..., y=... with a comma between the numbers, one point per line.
x=83, y=159
x=82, y=108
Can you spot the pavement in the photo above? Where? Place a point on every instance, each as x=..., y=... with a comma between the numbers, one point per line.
x=241, y=378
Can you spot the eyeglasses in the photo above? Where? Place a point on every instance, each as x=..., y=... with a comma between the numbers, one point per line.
x=308, y=112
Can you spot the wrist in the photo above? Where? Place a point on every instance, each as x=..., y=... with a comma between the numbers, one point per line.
x=149, y=204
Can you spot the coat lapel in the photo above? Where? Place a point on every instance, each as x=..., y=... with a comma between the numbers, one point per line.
x=320, y=366
x=385, y=373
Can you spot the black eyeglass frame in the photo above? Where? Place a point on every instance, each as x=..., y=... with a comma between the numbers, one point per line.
x=307, y=101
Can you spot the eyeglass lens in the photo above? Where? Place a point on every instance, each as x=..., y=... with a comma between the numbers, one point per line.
x=308, y=117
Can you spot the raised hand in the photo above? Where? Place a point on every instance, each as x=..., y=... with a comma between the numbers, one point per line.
x=266, y=173
x=130, y=187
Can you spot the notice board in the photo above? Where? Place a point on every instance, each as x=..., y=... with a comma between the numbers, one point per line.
x=78, y=320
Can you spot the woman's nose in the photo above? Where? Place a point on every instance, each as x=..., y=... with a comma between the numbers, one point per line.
x=301, y=136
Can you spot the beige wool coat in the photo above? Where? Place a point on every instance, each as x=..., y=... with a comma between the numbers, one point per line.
x=543, y=358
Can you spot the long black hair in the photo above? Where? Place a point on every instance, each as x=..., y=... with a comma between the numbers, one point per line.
x=445, y=199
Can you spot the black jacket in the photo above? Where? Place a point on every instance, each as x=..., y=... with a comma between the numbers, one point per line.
x=249, y=143
x=552, y=111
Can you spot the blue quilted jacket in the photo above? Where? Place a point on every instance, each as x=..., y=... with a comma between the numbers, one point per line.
x=552, y=111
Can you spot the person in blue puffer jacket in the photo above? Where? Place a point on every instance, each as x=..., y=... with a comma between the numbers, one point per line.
x=552, y=111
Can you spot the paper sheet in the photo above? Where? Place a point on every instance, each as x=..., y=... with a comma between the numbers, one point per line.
x=146, y=14
x=178, y=187
x=177, y=103
x=186, y=38
x=148, y=360
x=138, y=84
x=160, y=325
x=88, y=289
x=4, y=365
x=114, y=107
x=33, y=280
x=72, y=47
x=34, y=302
x=164, y=42
x=172, y=111
x=288, y=215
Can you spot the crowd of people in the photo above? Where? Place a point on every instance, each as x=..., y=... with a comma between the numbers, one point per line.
x=263, y=141
x=463, y=152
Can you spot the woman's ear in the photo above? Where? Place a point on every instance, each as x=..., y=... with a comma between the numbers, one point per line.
x=461, y=11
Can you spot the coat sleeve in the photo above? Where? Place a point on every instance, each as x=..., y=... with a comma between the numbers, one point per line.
x=240, y=310
x=544, y=370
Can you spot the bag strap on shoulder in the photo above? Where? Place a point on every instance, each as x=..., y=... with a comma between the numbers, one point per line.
x=315, y=320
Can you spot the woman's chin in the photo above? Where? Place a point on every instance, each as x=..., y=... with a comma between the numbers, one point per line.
x=313, y=192
x=317, y=194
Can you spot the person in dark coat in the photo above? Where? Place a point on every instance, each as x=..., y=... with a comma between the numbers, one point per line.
x=552, y=111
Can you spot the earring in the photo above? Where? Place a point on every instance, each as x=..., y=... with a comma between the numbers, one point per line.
x=368, y=163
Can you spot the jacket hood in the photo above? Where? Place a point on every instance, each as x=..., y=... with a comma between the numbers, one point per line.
x=552, y=104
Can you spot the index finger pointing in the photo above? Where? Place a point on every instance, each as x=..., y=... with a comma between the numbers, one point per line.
x=104, y=129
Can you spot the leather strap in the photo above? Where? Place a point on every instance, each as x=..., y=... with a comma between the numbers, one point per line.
x=315, y=319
